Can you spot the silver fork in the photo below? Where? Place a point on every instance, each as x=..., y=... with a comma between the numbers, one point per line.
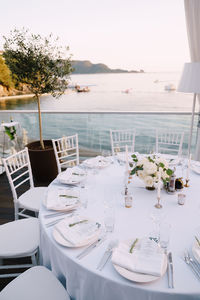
x=192, y=261
x=188, y=262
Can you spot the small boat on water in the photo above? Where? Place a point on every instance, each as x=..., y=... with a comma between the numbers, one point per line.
x=170, y=87
x=127, y=91
x=82, y=90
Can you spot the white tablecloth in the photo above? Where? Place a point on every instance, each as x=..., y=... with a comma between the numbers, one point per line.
x=82, y=279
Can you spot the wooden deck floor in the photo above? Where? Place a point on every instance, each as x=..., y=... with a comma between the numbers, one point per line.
x=7, y=210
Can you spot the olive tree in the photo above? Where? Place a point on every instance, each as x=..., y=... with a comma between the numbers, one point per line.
x=40, y=63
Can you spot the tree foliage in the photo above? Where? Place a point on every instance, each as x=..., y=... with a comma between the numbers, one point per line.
x=5, y=76
x=37, y=62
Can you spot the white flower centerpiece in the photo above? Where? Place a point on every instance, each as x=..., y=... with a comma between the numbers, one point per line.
x=148, y=168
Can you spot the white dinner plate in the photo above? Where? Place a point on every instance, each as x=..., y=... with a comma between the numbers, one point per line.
x=195, y=249
x=63, y=207
x=60, y=240
x=195, y=167
x=98, y=162
x=139, y=277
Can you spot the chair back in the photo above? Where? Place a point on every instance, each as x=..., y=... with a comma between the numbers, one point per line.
x=18, y=170
x=120, y=138
x=169, y=142
x=66, y=151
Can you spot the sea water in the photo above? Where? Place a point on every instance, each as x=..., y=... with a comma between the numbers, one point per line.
x=109, y=93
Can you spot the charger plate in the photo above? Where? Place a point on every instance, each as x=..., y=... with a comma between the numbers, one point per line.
x=196, y=248
x=139, y=277
x=62, y=241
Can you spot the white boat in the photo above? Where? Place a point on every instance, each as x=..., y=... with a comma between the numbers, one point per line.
x=170, y=87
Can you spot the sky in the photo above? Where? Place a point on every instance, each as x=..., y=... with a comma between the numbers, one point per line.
x=128, y=34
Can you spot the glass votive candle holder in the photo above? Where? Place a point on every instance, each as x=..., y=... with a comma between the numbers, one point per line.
x=128, y=200
x=181, y=198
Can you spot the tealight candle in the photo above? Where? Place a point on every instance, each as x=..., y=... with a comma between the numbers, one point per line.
x=181, y=199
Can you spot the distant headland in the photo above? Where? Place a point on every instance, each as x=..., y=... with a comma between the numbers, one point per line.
x=86, y=67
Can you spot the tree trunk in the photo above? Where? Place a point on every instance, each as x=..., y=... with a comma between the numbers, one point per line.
x=40, y=122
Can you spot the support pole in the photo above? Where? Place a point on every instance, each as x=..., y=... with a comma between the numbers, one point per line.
x=197, y=151
x=191, y=127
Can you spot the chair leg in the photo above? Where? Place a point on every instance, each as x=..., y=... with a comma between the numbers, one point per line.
x=34, y=259
x=16, y=211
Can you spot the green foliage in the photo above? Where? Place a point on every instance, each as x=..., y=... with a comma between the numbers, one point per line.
x=11, y=132
x=5, y=76
x=37, y=62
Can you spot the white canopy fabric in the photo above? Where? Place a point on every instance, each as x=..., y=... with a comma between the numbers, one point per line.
x=192, y=13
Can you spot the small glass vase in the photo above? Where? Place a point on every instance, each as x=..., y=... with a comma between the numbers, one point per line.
x=150, y=188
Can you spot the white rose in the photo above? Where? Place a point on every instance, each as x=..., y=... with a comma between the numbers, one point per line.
x=148, y=181
x=142, y=161
x=150, y=168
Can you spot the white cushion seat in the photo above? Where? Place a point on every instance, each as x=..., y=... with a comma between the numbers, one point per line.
x=19, y=238
x=32, y=198
x=37, y=283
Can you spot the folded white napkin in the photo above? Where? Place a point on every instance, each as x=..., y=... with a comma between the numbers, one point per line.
x=78, y=233
x=62, y=198
x=71, y=175
x=141, y=260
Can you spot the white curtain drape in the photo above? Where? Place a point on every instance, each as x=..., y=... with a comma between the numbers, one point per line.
x=192, y=13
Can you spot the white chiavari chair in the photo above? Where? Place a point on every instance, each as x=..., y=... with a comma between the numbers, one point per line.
x=37, y=283
x=66, y=151
x=120, y=138
x=19, y=239
x=169, y=142
x=18, y=170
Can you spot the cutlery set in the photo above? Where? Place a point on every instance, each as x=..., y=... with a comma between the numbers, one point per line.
x=62, y=216
x=91, y=247
x=193, y=264
x=107, y=254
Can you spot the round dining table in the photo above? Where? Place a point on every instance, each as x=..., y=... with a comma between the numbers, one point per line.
x=81, y=277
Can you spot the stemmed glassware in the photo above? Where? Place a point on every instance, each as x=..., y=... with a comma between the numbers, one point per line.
x=157, y=216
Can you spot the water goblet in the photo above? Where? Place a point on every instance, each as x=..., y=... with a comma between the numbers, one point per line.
x=105, y=153
x=164, y=235
x=109, y=218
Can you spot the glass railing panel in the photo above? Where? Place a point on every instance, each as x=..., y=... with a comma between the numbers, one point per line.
x=93, y=128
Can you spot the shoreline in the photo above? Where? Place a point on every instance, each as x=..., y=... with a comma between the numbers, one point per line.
x=17, y=97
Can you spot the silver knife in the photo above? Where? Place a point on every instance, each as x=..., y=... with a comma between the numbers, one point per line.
x=170, y=271
x=57, y=214
x=107, y=254
x=90, y=248
x=104, y=259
